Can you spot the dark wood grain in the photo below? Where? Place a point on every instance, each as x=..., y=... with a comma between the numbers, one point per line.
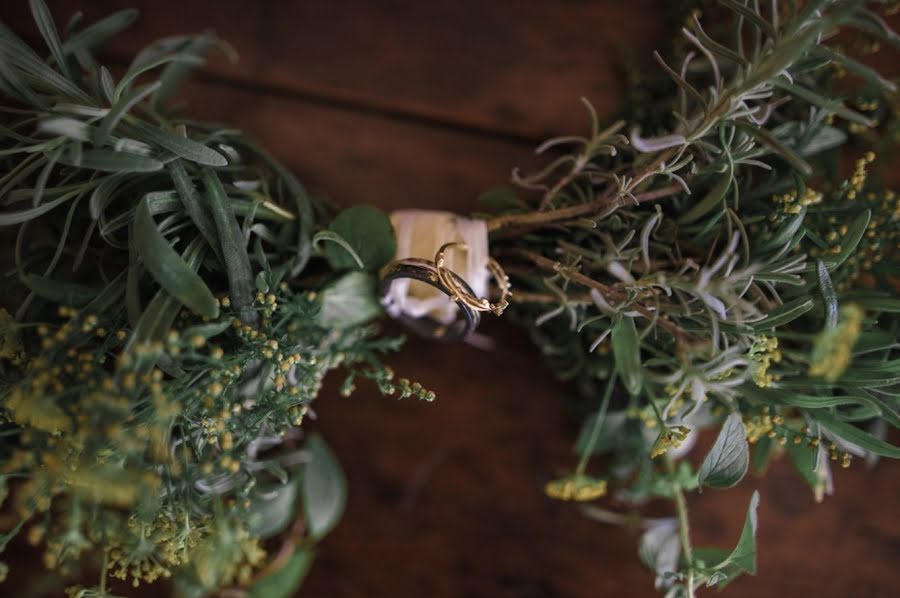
x=504, y=66
x=426, y=105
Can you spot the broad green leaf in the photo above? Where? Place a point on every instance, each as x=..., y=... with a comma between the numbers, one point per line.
x=727, y=461
x=287, y=579
x=742, y=559
x=322, y=487
x=369, y=232
x=272, y=508
x=168, y=268
x=627, y=353
x=660, y=547
x=349, y=301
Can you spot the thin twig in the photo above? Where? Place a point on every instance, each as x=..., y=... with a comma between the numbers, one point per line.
x=597, y=205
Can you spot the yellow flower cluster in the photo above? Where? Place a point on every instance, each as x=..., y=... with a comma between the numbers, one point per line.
x=763, y=353
x=668, y=438
x=854, y=185
x=576, y=487
x=833, y=349
x=791, y=204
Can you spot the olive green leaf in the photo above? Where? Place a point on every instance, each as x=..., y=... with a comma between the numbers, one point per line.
x=368, y=231
x=168, y=268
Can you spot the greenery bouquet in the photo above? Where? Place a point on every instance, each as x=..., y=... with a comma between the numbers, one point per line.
x=174, y=299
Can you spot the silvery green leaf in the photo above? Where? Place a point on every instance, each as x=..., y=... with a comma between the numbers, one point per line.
x=660, y=549
x=727, y=461
x=272, y=509
x=349, y=301
x=287, y=579
x=322, y=487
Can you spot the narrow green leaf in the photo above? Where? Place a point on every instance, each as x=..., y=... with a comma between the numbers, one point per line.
x=168, y=268
x=627, y=353
x=137, y=70
x=855, y=435
x=785, y=314
x=180, y=146
x=713, y=198
x=766, y=137
x=47, y=27
x=120, y=108
x=234, y=252
x=13, y=218
x=63, y=293
x=728, y=460
x=193, y=205
x=828, y=295
x=111, y=161
x=850, y=241
x=330, y=235
x=107, y=85
x=323, y=488
x=867, y=73
x=18, y=56
x=828, y=104
x=100, y=31
x=192, y=55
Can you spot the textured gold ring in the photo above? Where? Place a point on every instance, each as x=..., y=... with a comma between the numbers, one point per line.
x=464, y=295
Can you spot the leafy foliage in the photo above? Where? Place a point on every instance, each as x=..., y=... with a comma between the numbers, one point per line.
x=172, y=326
x=718, y=268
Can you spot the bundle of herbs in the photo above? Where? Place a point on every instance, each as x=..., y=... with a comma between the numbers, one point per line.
x=722, y=272
x=175, y=298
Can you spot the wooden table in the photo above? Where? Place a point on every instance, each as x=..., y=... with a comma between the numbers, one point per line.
x=426, y=104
